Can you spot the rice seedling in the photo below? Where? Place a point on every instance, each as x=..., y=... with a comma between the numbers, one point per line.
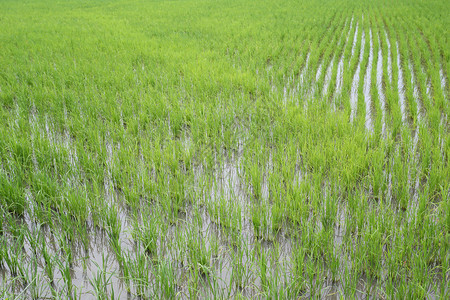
x=224, y=149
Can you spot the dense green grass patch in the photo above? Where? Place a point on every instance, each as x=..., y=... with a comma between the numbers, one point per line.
x=217, y=149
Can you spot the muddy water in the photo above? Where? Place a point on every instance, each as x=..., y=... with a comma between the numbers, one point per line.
x=380, y=90
x=328, y=77
x=303, y=72
x=401, y=88
x=302, y=84
x=355, y=83
x=340, y=69
x=87, y=264
x=389, y=58
x=366, y=90
x=443, y=83
x=416, y=93
x=99, y=261
x=355, y=38
x=339, y=76
x=96, y=269
x=290, y=90
x=313, y=84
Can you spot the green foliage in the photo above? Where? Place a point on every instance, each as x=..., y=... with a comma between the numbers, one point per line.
x=223, y=149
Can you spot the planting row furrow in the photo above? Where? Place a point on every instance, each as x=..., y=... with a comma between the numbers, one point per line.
x=389, y=57
x=380, y=88
x=366, y=90
x=355, y=82
x=401, y=88
x=340, y=68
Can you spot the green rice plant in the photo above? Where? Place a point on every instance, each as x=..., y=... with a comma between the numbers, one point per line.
x=198, y=255
x=377, y=179
x=147, y=234
x=255, y=180
x=227, y=214
x=298, y=279
x=373, y=248
x=12, y=194
x=277, y=216
x=262, y=257
x=176, y=196
x=260, y=221
x=65, y=270
x=46, y=191
x=444, y=208
x=166, y=282
x=139, y=272
x=132, y=196
x=102, y=280
x=333, y=264
x=112, y=224
x=400, y=184
x=115, y=130
x=48, y=259
x=13, y=259
x=328, y=213
x=75, y=204
x=240, y=269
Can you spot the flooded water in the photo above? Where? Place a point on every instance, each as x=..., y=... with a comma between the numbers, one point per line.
x=443, y=83
x=328, y=78
x=389, y=58
x=417, y=100
x=125, y=252
x=366, y=90
x=355, y=39
x=401, y=88
x=355, y=83
x=340, y=69
x=380, y=90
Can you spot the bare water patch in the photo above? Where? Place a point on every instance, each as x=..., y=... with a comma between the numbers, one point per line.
x=355, y=83
x=389, y=58
x=314, y=83
x=328, y=77
x=443, y=83
x=401, y=88
x=416, y=93
x=355, y=38
x=302, y=84
x=339, y=76
x=380, y=90
x=340, y=69
x=367, y=83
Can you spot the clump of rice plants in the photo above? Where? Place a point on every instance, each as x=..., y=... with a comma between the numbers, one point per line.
x=224, y=149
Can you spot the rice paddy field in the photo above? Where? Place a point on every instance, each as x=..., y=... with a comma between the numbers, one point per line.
x=224, y=149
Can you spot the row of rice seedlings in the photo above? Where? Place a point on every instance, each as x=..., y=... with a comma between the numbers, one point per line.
x=325, y=57
x=316, y=62
x=334, y=72
x=329, y=76
x=377, y=106
x=116, y=235
x=349, y=44
x=172, y=183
